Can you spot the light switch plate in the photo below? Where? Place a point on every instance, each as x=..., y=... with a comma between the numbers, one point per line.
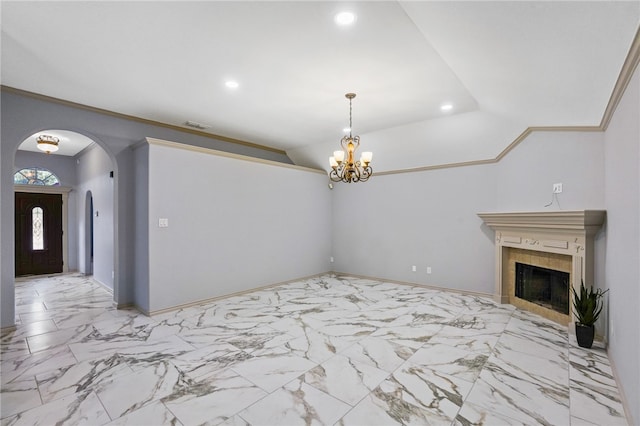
x=163, y=222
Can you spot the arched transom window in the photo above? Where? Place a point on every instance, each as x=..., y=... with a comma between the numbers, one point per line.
x=35, y=176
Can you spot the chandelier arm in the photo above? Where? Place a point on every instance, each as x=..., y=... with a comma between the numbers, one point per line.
x=334, y=176
x=366, y=174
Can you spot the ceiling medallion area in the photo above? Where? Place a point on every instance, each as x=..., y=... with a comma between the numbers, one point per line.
x=347, y=169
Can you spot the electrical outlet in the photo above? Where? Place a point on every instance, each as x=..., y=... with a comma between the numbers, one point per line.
x=163, y=222
x=557, y=188
x=413, y=268
x=331, y=259
x=428, y=269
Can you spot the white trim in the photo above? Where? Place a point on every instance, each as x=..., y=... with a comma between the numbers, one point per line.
x=623, y=397
x=217, y=298
x=64, y=191
x=412, y=284
x=100, y=283
x=264, y=287
x=41, y=189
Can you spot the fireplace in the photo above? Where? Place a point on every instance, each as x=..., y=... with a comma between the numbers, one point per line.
x=541, y=261
x=545, y=287
x=560, y=241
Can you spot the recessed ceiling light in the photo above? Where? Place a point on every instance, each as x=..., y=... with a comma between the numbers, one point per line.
x=346, y=129
x=231, y=84
x=446, y=107
x=345, y=18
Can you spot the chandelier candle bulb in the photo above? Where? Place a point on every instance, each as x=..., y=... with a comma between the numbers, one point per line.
x=332, y=162
x=339, y=156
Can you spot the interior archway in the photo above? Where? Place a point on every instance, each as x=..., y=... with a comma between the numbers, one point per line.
x=84, y=168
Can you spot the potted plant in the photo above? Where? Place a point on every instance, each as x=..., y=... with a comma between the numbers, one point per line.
x=587, y=306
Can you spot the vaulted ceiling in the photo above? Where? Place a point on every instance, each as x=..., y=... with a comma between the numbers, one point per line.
x=502, y=66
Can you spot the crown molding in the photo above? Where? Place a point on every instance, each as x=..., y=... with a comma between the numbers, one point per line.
x=211, y=151
x=628, y=68
x=499, y=157
x=59, y=101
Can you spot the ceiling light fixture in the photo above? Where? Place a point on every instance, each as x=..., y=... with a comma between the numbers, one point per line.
x=446, y=107
x=349, y=170
x=345, y=18
x=47, y=143
x=232, y=84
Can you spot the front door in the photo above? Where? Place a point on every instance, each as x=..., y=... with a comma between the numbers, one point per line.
x=38, y=233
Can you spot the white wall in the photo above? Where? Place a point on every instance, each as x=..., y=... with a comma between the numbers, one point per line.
x=385, y=226
x=93, y=167
x=526, y=175
x=390, y=223
x=622, y=194
x=233, y=225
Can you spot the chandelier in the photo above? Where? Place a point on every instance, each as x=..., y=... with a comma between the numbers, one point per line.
x=47, y=143
x=349, y=170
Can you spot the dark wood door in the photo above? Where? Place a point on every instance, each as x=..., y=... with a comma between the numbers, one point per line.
x=38, y=233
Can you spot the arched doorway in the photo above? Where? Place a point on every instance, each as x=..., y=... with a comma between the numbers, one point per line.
x=27, y=121
x=84, y=167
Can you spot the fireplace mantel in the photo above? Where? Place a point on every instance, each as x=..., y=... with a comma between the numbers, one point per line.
x=568, y=233
x=570, y=220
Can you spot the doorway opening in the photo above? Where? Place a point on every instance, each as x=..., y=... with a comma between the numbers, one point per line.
x=88, y=235
x=38, y=238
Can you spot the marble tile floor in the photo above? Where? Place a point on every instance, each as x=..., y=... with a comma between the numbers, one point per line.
x=332, y=350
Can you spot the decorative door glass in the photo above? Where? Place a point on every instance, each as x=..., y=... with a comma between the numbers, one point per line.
x=37, y=228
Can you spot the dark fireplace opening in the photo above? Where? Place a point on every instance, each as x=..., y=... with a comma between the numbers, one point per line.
x=544, y=287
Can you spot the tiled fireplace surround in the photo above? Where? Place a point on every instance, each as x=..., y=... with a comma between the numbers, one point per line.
x=559, y=240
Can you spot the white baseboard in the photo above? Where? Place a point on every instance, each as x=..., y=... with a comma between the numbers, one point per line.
x=623, y=398
x=225, y=296
x=413, y=284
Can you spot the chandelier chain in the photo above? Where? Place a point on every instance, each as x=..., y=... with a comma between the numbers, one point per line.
x=350, y=120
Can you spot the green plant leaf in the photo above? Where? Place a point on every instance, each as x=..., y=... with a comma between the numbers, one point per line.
x=588, y=304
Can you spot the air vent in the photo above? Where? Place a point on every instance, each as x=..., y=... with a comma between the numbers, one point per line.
x=196, y=125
